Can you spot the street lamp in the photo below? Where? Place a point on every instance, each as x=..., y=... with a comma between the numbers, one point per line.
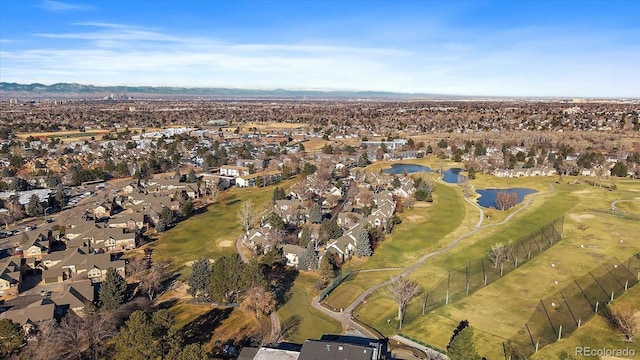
x=45, y=213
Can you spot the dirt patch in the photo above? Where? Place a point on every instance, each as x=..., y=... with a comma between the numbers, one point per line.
x=190, y=263
x=578, y=218
x=634, y=190
x=225, y=243
x=422, y=204
x=415, y=218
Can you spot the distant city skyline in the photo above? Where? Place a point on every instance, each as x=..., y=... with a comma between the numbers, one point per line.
x=473, y=48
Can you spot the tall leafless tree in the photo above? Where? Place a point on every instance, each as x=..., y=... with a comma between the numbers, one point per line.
x=246, y=215
x=403, y=290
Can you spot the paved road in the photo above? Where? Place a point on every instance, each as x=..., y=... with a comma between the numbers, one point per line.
x=346, y=317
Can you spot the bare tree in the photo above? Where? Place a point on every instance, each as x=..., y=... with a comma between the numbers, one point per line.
x=260, y=301
x=499, y=253
x=505, y=200
x=403, y=290
x=246, y=215
x=626, y=319
x=366, y=197
x=151, y=282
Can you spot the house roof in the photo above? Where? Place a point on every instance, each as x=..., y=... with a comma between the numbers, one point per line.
x=325, y=350
x=38, y=311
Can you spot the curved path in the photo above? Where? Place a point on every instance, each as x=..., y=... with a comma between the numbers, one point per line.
x=346, y=317
x=615, y=203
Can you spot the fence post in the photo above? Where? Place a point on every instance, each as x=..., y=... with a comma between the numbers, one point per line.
x=484, y=274
x=424, y=304
x=467, y=275
x=560, y=333
x=597, y=303
x=446, y=300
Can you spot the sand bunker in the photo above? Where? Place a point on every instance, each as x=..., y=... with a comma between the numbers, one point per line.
x=415, y=218
x=225, y=243
x=578, y=218
x=422, y=204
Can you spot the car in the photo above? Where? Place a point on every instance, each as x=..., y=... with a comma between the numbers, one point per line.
x=45, y=292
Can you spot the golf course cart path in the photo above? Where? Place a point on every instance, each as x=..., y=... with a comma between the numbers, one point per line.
x=346, y=317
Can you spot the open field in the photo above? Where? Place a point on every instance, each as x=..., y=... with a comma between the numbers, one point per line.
x=355, y=285
x=312, y=323
x=536, y=278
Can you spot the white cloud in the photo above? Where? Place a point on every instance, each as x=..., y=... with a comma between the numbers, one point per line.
x=59, y=6
x=114, y=54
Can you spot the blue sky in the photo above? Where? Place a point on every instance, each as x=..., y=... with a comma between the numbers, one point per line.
x=501, y=48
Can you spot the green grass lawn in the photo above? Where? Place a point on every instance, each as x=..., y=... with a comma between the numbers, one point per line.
x=596, y=333
x=414, y=238
x=500, y=310
x=213, y=233
x=355, y=285
x=313, y=324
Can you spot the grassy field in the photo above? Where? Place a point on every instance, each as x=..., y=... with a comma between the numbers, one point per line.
x=214, y=232
x=534, y=280
x=355, y=285
x=313, y=324
x=597, y=334
x=421, y=230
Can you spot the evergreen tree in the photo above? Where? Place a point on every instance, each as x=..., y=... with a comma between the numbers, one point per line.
x=326, y=269
x=461, y=346
x=278, y=194
x=189, y=352
x=34, y=207
x=305, y=236
x=11, y=338
x=135, y=340
x=112, y=290
x=200, y=279
x=191, y=177
x=311, y=257
x=329, y=229
x=186, y=208
x=472, y=173
x=227, y=283
x=620, y=169
x=363, y=243
x=276, y=222
x=363, y=160
x=315, y=213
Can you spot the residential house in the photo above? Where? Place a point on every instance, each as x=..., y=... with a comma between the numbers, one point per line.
x=76, y=295
x=234, y=171
x=265, y=178
x=30, y=316
x=10, y=276
x=292, y=254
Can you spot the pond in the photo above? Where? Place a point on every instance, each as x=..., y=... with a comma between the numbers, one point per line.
x=409, y=168
x=488, y=196
x=451, y=175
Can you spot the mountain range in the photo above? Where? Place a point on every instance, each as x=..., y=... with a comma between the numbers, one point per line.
x=91, y=91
